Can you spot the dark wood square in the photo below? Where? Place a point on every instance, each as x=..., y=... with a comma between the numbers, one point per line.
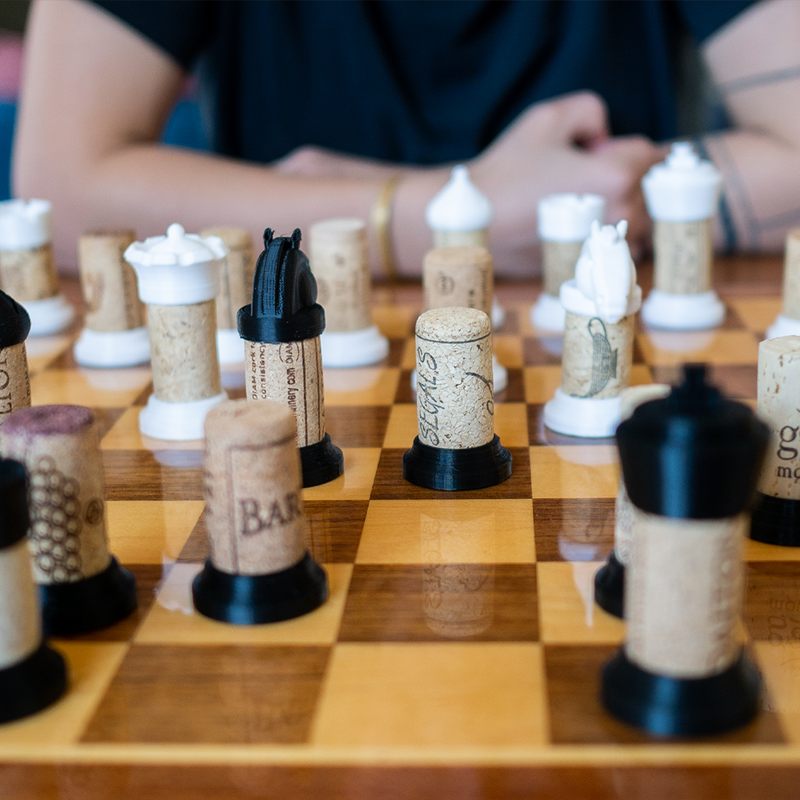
x=396, y=349
x=141, y=399
x=772, y=600
x=577, y=715
x=159, y=475
x=735, y=380
x=510, y=325
x=539, y=434
x=435, y=602
x=220, y=694
x=357, y=426
x=405, y=393
x=539, y=351
x=515, y=391
x=573, y=530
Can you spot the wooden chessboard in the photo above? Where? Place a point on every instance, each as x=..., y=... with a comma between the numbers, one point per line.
x=458, y=655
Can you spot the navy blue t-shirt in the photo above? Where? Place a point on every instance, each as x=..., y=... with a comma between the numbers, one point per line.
x=420, y=82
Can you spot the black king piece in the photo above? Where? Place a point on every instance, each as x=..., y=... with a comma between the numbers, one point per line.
x=281, y=328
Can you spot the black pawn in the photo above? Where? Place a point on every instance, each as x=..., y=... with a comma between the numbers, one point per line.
x=609, y=586
x=284, y=308
x=776, y=520
x=38, y=680
x=15, y=324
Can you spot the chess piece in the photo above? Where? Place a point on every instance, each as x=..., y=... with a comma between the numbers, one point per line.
x=776, y=515
x=27, y=270
x=281, y=328
x=82, y=586
x=115, y=334
x=15, y=384
x=32, y=676
x=178, y=277
x=461, y=277
x=690, y=464
x=340, y=264
x=564, y=223
x=600, y=303
x=236, y=282
x=457, y=448
x=787, y=323
x=259, y=569
x=681, y=196
x=459, y=216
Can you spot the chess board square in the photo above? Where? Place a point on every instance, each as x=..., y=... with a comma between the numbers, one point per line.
x=405, y=394
x=737, y=381
x=539, y=434
x=409, y=359
x=44, y=350
x=772, y=601
x=389, y=483
x=511, y=324
x=542, y=350
x=455, y=694
x=759, y=551
x=508, y=349
x=541, y=383
x=147, y=532
x=436, y=601
x=356, y=426
x=146, y=475
x=395, y=321
x=224, y=694
x=577, y=715
x=100, y=388
x=671, y=348
x=360, y=464
x=173, y=618
x=567, y=611
x=515, y=391
x=779, y=663
x=579, y=470
x=732, y=319
x=756, y=313
x=362, y=386
x=573, y=529
x=461, y=531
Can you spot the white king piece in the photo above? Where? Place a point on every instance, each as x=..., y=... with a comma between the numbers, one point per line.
x=600, y=304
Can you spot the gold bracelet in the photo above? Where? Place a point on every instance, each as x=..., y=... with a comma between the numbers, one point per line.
x=382, y=226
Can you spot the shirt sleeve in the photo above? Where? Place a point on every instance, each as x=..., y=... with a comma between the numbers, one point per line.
x=706, y=17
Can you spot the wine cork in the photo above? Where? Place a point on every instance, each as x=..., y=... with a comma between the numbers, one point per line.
x=29, y=274
x=109, y=282
x=778, y=392
x=15, y=384
x=474, y=238
x=683, y=253
x=236, y=274
x=60, y=448
x=683, y=593
x=255, y=519
x=597, y=356
x=558, y=263
x=289, y=373
x=791, y=276
x=455, y=407
x=183, y=351
x=458, y=276
x=20, y=632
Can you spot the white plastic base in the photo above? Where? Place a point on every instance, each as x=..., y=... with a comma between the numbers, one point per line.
x=583, y=416
x=49, y=316
x=230, y=346
x=548, y=313
x=683, y=312
x=498, y=314
x=783, y=326
x=499, y=376
x=112, y=348
x=353, y=348
x=176, y=422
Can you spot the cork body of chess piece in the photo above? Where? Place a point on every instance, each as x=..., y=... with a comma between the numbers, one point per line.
x=115, y=334
x=178, y=279
x=600, y=303
x=27, y=269
x=15, y=384
x=690, y=463
x=681, y=196
x=259, y=569
x=776, y=516
x=340, y=263
x=564, y=222
x=235, y=284
x=82, y=586
x=281, y=328
x=459, y=216
x=456, y=447
x=32, y=676
x=787, y=323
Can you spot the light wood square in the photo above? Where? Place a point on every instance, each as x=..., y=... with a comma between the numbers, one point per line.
x=508, y=350
x=574, y=471
x=364, y=386
x=402, y=427
x=395, y=321
x=757, y=313
x=719, y=347
x=541, y=383
x=41, y=350
x=360, y=466
x=125, y=435
x=99, y=388
x=779, y=663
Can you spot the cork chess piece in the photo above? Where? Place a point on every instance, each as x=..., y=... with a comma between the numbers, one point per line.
x=787, y=323
x=15, y=384
x=281, y=328
x=259, y=569
x=27, y=269
x=600, y=303
x=564, y=222
x=681, y=196
x=456, y=447
x=690, y=464
x=82, y=586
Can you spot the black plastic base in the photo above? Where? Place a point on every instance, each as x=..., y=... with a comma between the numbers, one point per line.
x=776, y=520
x=457, y=470
x=255, y=599
x=88, y=605
x=32, y=684
x=322, y=462
x=675, y=707
x=609, y=586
